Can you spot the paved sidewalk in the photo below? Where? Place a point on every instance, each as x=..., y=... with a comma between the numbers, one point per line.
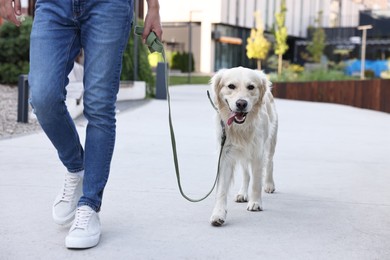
x=332, y=200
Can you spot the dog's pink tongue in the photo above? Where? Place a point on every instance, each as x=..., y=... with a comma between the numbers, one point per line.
x=231, y=118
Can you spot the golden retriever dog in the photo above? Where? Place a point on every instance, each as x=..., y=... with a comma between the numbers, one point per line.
x=247, y=109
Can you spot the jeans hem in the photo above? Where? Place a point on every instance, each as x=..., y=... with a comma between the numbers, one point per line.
x=76, y=170
x=83, y=203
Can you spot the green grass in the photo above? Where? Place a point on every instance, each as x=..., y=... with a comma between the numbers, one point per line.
x=183, y=80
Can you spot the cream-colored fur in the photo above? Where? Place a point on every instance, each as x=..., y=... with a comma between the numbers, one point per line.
x=251, y=137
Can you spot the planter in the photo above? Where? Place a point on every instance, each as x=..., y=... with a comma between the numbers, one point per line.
x=370, y=94
x=131, y=90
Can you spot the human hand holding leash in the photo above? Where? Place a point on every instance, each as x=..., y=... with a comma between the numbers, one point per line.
x=152, y=20
x=11, y=10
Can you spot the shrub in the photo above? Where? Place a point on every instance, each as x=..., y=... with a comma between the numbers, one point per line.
x=315, y=75
x=180, y=61
x=296, y=68
x=385, y=74
x=14, y=51
x=154, y=58
x=317, y=45
x=369, y=74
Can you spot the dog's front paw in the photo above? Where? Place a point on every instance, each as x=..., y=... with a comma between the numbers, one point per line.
x=269, y=187
x=218, y=218
x=241, y=198
x=254, y=206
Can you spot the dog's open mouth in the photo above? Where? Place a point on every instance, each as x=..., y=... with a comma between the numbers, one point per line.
x=237, y=117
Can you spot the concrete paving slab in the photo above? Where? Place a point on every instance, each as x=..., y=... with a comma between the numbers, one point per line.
x=332, y=200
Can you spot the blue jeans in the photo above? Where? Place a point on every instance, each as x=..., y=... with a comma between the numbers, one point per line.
x=60, y=30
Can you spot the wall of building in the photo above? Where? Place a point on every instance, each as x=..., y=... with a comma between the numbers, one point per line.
x=300, y=15
x=183, y=10
x=177, y=38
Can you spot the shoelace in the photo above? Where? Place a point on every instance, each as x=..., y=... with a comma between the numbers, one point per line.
x=82, y=217
x=69, y=187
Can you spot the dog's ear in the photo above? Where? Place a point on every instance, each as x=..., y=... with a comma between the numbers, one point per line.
x=215, y=83
x=264, y=83
x=264, y=80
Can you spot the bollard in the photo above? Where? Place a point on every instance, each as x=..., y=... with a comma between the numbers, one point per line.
x=23, y=93
x=161, y=91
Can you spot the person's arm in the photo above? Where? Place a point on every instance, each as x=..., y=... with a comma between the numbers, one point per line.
x=152, y=20
x=10, y=9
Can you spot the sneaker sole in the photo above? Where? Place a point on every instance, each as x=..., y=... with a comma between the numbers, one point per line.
x=82, y=243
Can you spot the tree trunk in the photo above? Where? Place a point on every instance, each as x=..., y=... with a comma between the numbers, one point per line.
x=258, y=64
x=280, y=61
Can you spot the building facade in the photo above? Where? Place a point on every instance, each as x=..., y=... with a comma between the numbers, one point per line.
x=215, y=31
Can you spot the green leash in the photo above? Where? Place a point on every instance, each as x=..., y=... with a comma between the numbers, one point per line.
x=155, y=45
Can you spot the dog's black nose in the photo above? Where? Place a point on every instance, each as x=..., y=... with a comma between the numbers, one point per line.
x=241, y=104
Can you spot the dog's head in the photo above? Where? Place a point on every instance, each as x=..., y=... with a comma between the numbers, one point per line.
x=238, y=92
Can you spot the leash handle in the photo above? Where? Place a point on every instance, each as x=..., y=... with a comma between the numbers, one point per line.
x=155, y=45
x=152, y=41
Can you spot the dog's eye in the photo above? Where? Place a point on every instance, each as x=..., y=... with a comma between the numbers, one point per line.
x=231, y=86
x=251, y=87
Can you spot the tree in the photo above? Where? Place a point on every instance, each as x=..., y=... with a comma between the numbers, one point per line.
x=257, y=45
x=281, y=34
x=317, y=45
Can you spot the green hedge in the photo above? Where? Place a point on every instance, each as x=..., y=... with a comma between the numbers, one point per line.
x=14, y=51
x=180, y=60
x=315, y=75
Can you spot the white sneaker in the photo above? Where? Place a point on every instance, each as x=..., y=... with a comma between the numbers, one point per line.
x=65, y=204
x=85, y=231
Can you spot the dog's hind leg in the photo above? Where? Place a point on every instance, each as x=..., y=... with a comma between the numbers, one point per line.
x=269, y=185
x=218, y=216
x=242, y=195
x=255, y=203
